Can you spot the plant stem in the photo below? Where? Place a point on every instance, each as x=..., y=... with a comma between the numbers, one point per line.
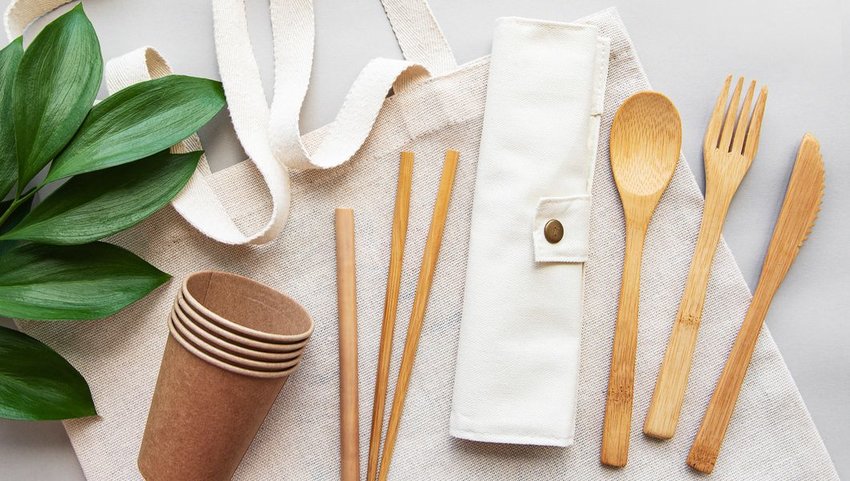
x=17, y=203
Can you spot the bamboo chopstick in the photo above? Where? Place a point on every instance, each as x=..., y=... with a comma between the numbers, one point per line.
x=420, y=302
x=347, y=305
x=399, y=234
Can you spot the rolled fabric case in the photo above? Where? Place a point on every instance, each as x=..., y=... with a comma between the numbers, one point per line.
x=518, y=352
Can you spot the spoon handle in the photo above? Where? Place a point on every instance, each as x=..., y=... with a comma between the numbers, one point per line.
x=666, y=405
x=618, y=407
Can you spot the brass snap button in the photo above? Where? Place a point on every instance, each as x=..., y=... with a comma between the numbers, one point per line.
x=553, y=231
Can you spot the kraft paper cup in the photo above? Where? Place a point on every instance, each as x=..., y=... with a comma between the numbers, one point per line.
x=247, y=308
x=211, y=350
x=202, y=418
x=207, y=337
x=201, y=352
x=209, y=401
x=223, y=333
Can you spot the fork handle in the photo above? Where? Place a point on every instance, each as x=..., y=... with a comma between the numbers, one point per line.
x=669, y=394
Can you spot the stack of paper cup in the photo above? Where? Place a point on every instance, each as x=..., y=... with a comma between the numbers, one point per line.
x=233, y=344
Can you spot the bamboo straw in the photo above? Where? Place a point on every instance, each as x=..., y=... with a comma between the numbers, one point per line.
x=347, y=305
x=399, y=234
x=420, y=302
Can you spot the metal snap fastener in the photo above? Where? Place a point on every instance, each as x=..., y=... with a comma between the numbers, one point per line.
x=553, y=231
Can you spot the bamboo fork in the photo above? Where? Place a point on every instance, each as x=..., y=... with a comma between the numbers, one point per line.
x=347, y=304
x=729, y=148
x=799, y=211
x=420, y=302
x=399, y=234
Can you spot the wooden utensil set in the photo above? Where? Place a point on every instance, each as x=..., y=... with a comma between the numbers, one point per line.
x=346, y=296
x=646, y=139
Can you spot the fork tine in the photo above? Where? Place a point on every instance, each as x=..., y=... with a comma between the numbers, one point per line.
x=743, y=120
x=712, y=133
x=751, y=143
x=731, y=115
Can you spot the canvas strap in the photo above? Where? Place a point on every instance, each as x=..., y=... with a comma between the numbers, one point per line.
x=270, y=135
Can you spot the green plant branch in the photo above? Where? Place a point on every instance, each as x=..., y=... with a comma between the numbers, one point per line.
x=119, y=170
x=19, y=200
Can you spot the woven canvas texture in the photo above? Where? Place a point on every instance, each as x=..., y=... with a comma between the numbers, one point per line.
x=771, y=436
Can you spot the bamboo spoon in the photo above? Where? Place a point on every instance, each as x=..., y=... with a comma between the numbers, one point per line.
x=646, y=138
x=420, y=302
x=347, y=304
x=728, y=157
x=399, y=234
x=795, y=221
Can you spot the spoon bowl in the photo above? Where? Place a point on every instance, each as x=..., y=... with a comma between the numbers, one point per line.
x=646, y=139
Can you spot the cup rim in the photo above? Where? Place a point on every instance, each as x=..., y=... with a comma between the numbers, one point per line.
x=208, y=337
x=210, y=325
x=238, y=328
x=227, y=357
x=197, y=352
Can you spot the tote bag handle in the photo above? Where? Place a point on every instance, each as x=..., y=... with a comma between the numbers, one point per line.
x=419, y=35
x=270, y=135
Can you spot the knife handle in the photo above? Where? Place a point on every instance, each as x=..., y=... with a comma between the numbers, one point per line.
x=706, y=446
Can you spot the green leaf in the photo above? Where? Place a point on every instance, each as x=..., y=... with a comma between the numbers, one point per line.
x=36, y=383
x=55, y=87
x=138, y=121
x=10, y=59
x=89, y=281
x=11, y=222
x=92, y=206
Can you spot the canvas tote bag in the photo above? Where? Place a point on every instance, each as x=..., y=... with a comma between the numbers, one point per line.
x=771, y=436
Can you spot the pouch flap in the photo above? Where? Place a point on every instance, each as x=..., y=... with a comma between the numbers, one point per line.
x=569, y=241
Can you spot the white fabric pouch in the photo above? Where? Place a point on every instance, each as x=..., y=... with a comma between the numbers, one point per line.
x=518, y=351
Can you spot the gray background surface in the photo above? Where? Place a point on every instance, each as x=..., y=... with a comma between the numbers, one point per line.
x=800, y=49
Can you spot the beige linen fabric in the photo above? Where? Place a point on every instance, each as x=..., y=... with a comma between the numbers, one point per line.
x=771, y=436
